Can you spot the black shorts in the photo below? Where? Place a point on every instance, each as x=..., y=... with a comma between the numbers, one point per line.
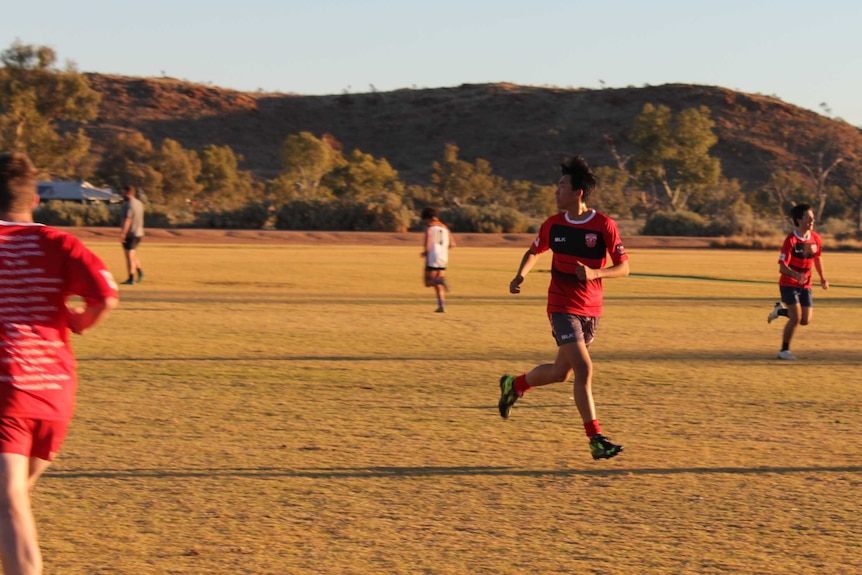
x=797, y=295
x=567, y=327
x=131, y=242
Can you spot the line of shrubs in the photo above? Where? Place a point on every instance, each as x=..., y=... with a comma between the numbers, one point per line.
x=737, y=229
x=296, y=215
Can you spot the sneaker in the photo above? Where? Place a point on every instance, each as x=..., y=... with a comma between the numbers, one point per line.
x=773, y=315
x=128, y=282
x=440, y=309
x=444, y=284
x=508, y=397
x=140, y=276
x=601, y=448
x=786, y=354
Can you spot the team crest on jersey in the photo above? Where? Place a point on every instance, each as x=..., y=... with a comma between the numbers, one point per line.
x=592, y=240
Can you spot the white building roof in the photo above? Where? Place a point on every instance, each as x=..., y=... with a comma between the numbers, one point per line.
x=76, y=191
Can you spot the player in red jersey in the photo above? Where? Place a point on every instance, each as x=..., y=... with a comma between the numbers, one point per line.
x=580, y=239
x=40, y=267
x=802, y=250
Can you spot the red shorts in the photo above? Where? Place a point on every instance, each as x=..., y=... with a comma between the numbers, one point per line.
x=32, y=437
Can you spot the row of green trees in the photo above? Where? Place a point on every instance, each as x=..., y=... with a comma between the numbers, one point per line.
x=666, y=175
x=671, y=176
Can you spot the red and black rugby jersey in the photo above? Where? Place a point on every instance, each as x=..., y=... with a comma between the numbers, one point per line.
x=585, y=241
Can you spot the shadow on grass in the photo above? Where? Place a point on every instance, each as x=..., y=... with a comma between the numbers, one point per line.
x=728, y=280
x=645, y=355
x=457, y=471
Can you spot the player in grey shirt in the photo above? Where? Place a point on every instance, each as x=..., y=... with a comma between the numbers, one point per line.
x=131, y=233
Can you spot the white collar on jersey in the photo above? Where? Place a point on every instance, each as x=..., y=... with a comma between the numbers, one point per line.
x=805, y=237
x=5, y=223
x=586, y=218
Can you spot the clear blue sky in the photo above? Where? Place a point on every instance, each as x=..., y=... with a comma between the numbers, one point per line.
x=806, y=53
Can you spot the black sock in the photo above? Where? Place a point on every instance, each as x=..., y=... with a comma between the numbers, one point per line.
x=785, y=345
x=783, y=312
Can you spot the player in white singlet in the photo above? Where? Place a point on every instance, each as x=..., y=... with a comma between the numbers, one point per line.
x=438, y=239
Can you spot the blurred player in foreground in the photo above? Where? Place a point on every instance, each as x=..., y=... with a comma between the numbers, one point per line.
x=580, y=239
x=40, y=267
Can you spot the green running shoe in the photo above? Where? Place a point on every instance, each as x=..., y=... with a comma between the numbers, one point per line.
x=508, y=397
x=601, y=448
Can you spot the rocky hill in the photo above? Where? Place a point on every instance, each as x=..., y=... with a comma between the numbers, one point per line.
x=521, y=130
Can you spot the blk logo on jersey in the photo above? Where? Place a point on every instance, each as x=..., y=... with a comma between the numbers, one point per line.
x=591, y=240
x=559, y=240
x=805, y=251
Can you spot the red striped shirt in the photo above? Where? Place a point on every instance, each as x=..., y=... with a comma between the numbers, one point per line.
x=583, y=242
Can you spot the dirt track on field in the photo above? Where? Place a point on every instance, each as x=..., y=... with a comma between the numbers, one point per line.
x=269, y=237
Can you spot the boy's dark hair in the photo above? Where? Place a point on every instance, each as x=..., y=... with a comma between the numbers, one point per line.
x=582, y=176
x=429, y=213
x=17, y=182
x=129, y=188
x=797, y=211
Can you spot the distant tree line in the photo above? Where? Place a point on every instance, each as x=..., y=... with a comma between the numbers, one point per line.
x=666, y=177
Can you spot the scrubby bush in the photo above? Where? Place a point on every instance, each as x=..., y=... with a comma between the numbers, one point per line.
x=57, y=213
x=739, y=222
x=680, y=223
x=486, y=219
x=164, y=217
x=748, y=242
x=837, y=226
x=385, y=215
x=253, y=216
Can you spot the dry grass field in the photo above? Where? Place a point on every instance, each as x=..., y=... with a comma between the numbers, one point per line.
x=279, y=409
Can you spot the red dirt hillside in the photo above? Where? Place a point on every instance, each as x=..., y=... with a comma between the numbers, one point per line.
x=521, y=130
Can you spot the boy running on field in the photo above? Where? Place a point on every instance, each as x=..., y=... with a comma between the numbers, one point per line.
x=802, y=250
x=580, y=239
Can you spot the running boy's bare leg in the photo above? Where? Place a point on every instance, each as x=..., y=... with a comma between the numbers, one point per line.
x=19, y=545
x=132, y=264
x=579, y=356
x=569, y=355
x=794, y=312
x=547, y=373
x=433, y=278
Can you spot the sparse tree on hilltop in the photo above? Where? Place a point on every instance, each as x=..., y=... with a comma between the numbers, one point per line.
x=305, y=160
x=614, y=196
x=223, y=185
x=361, y=176
x=180, y=169
x=461, y=183
x=35, y=98
x=129, y=159
x=673, y=158
x=828, y=152
x=852, y=190
x=783, y=191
